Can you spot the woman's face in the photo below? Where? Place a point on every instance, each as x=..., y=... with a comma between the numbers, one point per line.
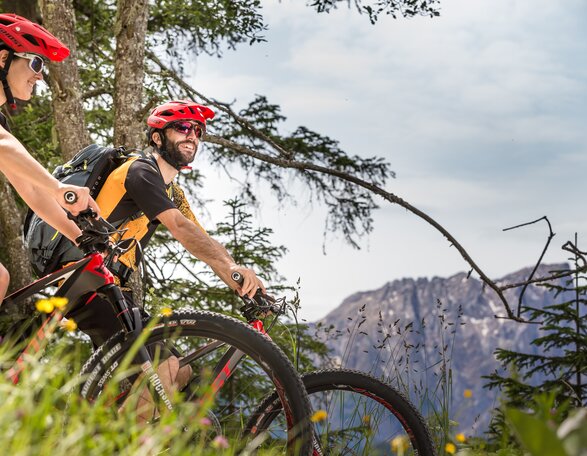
x=21, y=78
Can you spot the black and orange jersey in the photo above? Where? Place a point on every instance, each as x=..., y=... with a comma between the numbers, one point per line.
x=132, y=197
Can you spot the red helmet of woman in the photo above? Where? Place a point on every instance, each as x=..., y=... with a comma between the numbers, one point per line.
x=23, y=35
x=178, y=110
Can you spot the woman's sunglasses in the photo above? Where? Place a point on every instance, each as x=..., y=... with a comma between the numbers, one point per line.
x=36, y=63
x=185, y=128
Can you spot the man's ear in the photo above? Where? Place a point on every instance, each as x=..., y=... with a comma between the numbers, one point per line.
x=156, y=137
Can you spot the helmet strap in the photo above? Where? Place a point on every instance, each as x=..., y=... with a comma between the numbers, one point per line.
x=4, y=79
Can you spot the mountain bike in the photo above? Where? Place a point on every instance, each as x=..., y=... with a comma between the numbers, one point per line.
x=213, y=345
x=363, y=415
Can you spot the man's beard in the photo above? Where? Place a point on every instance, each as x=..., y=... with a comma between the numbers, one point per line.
x=183, y=159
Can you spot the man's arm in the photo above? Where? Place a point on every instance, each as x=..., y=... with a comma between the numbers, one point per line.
x=19, y=166
x=198, y=243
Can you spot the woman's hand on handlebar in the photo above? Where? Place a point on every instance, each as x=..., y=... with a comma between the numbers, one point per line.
x=76, y=199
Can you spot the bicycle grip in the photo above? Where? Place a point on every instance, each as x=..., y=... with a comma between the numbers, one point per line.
x=237, y=277
x=70, y=197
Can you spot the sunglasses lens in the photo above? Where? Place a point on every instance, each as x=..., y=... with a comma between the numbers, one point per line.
x=37, y=64
x=186, y=127
x=182, y=127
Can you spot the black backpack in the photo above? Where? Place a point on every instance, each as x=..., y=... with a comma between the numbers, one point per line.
x=46, y=247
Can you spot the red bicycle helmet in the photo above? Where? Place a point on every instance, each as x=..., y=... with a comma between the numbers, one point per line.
x=178, y=110
x=23, y=35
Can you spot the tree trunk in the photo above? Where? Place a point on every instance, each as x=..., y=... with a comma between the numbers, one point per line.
x=11, y=227
x=59, y=19
x=130, y=31
x=11, y=220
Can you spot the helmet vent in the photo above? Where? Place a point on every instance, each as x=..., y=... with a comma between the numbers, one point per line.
x=31, y=39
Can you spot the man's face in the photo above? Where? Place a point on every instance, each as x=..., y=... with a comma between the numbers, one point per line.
x=183, y=138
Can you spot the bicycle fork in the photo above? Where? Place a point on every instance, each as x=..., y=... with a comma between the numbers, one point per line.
x=131, y=321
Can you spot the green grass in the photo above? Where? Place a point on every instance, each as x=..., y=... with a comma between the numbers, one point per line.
x=44, y=415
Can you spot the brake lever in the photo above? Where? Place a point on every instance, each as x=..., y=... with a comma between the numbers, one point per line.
x=87, y=220
x=81, y=216
x=96, y=232
x=263, y=302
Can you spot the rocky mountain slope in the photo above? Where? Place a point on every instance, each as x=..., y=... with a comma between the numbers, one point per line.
x=418, y=333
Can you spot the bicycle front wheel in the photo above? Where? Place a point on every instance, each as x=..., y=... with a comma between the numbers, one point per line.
x=202, y=340
x=355, y=414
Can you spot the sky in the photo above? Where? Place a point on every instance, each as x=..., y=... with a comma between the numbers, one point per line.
x=481, y=113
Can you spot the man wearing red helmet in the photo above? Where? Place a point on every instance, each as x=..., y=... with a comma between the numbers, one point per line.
x=140, y=194
x=23, y=45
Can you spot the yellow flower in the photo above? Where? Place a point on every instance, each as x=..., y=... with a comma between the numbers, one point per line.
x=460, y=438
x=319, y=415
x=450, y=448
x=69, y=325
x=399, y=444
x=166, y=311
x=45, y=306
x=468, y=394
x=59, y=302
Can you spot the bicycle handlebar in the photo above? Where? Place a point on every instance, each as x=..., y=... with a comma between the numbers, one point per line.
x=259, y=305
x=96, y=232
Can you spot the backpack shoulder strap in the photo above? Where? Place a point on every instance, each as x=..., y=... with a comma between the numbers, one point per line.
x=113, y=189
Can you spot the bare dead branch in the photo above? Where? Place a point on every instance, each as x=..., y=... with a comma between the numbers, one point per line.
x=97, y=92
x=305, y=166
x=550, y=236
x=579, y=255
x=544, y=279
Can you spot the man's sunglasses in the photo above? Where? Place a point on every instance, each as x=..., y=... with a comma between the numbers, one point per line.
x=185, y=128
x=36, y=63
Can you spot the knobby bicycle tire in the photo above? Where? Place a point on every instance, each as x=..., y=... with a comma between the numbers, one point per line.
x=363, y=416
x=264, y=368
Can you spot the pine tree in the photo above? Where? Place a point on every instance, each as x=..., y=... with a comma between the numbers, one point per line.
x=560, y=364
x=184, y=280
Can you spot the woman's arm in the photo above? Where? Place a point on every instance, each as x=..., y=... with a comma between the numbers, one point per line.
x=20, y=166
x=47, y=208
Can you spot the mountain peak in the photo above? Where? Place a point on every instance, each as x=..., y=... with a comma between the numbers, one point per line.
x=409, y=328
